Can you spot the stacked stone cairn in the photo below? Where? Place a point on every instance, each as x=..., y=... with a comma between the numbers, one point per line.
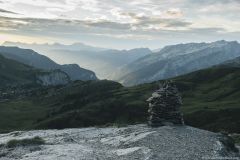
x=164, y=106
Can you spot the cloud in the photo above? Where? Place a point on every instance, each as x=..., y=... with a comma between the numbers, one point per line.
x=121, y=19
x=213, y=1
x=108, y=24
x=221, y=7
x=8, y=24
x=150, y=22
x=173, y=13
x=134, y=22
x=6, y=11
x=218, y=7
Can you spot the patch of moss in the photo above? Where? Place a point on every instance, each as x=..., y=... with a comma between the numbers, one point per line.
x=25, y=142
x=236, y=138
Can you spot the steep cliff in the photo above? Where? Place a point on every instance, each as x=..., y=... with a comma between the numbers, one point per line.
x=53, y=78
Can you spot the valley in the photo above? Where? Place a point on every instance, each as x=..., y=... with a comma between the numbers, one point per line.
x=119, y=80
x=210, y=101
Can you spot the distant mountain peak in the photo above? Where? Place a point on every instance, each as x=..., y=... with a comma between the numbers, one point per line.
x=140, y=49
x=56, y=45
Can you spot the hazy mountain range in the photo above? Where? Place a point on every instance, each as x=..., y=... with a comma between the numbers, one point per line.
x=210, y=96
x=232, y=63
x=47, y=46
x=32, y=58
x=104, y=62
x=136, y=66
x=177, y=60
x=13, y=73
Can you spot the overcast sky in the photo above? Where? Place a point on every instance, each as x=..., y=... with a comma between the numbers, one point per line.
x=119, y=23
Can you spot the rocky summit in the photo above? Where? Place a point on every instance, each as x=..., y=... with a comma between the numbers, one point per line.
x=126, y=143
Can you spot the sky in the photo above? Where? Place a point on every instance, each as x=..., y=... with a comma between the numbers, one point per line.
x=120, y=24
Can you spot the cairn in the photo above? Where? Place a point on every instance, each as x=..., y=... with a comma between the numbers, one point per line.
x=164, y=106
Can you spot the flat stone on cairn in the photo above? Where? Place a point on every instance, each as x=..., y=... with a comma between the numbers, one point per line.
x=164, y=106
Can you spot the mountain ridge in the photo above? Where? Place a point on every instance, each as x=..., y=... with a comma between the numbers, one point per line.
x=32, y=58
x=211, y=93
x=16, y=74
x=173, y=61
x=73, y=46
x=103, y=62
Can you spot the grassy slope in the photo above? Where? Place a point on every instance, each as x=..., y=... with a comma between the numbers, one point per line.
x=211, y=101
x=19, y=114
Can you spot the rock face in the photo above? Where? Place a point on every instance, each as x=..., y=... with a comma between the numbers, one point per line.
x=132, y=142
x=164, y=106
x=15, y=74
x=53, y=78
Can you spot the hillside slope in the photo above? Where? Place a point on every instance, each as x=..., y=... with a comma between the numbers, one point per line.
x=210, y=101
x=104, y=62
x=232, y=63
x=213, y=94
x=15, y=74
x=177, y=60
x=32, y=58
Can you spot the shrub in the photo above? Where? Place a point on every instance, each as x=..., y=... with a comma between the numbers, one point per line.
x=236, y=138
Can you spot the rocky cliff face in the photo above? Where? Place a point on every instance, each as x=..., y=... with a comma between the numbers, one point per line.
x=132, y=142
x=53, y=78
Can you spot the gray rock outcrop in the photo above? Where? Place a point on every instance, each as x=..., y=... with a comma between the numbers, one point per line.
x=137, y=142
x=53, y=78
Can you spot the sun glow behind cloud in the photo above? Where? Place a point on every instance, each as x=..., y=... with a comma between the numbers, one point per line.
x=121, y=24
